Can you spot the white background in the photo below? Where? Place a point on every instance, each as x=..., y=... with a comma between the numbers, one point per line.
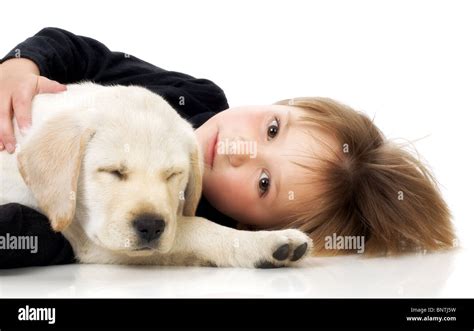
x=408, y=63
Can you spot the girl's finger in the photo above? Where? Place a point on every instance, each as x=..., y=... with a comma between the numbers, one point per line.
x=6, y=127
x=22, y=111
x=45, y=85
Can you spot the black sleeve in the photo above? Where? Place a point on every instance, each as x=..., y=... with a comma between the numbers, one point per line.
x=69, y=58
x=26, y=239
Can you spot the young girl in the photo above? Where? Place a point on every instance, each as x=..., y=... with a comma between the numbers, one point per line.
x=307, y=163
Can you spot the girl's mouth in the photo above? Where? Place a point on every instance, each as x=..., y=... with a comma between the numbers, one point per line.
x=211, y=150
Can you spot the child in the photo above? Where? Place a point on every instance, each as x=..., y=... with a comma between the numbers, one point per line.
x=307, y=163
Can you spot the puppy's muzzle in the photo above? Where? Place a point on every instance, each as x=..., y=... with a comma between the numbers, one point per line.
x=149, y=228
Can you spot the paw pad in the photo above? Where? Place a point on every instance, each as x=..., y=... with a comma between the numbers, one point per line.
x=282, y=252
x=299, y=252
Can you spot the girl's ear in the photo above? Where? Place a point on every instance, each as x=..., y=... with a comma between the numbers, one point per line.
x=50, y=163
x=192, y=194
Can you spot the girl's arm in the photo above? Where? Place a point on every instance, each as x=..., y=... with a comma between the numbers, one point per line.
x=58, y=55
x=68, y=58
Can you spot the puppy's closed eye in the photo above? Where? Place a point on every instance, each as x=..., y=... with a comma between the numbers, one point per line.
x=173, y=173
x=119, y=173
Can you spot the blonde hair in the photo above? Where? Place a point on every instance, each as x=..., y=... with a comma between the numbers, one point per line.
x=371, y=187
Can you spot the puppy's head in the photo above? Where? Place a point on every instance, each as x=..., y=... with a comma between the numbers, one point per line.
x=124, y=175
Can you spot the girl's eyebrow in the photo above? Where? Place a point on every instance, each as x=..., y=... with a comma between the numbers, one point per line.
x=285, y=129
x=277, y=188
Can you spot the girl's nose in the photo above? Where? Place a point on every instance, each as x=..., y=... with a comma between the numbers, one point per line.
x=240, y=150
x=236, y=160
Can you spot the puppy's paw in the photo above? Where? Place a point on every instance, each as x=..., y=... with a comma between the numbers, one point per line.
x=283, y=248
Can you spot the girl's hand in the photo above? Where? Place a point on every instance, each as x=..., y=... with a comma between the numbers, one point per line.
x=19, y=83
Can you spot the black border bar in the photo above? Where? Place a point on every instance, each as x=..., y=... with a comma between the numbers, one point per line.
x=291, y=314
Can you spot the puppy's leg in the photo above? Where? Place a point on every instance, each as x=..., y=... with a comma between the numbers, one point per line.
x=202, y=242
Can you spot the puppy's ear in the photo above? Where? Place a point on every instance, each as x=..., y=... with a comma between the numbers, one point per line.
x=193, y=190
x=50, y=163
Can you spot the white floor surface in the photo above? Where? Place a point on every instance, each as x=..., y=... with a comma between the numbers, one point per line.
x=447, y=274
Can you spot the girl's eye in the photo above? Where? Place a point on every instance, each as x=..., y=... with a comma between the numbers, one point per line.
x=263, y=184
x=273, y=128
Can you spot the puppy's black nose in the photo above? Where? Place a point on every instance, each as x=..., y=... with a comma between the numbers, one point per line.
x=149, y=227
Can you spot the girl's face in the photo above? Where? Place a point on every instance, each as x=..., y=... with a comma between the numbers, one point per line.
x=248, y=151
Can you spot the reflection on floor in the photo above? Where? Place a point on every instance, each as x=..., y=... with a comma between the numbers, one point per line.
x=447, y=274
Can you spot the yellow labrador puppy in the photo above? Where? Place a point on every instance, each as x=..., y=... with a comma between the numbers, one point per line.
x=119, y=172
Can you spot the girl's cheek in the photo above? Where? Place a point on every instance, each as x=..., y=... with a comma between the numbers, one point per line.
x=237, y=190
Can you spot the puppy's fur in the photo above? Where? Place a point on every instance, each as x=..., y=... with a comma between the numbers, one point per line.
x=98, y=158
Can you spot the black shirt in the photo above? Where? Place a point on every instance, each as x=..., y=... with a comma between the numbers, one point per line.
x=69, y=58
